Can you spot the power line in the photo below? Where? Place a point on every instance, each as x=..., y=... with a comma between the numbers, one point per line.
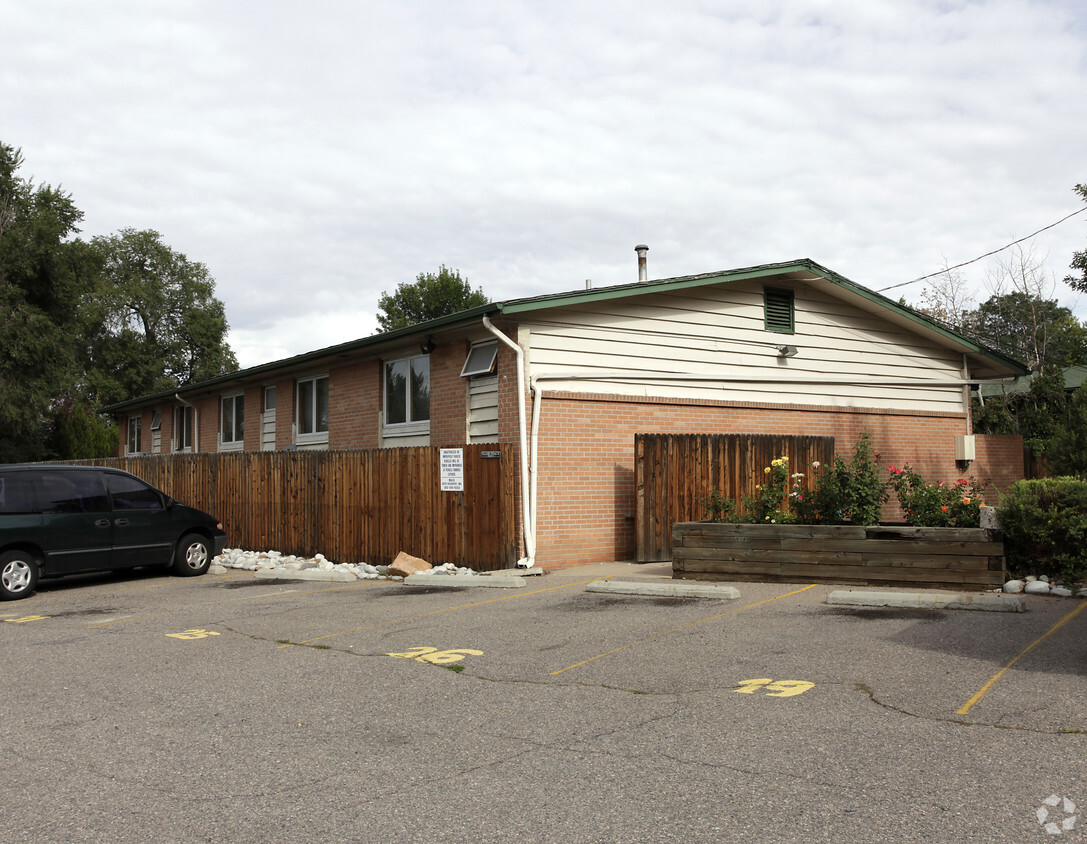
x=986, y=255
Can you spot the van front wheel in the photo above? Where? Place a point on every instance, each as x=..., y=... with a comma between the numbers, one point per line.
x=18, y=575
x=193, y=555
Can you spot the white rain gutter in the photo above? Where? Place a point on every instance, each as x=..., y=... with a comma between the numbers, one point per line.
x=528, y=511
x=195, y=424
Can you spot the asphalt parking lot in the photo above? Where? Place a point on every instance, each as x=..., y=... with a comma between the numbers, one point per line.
x=226, y=708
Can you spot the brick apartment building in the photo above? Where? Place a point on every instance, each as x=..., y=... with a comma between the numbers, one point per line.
x=569, y=379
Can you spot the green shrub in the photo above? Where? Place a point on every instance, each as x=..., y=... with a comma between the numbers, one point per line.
x=768, y=502
x=837, y=493
x=1045, y=528
x=718, y=506
x=842, y=492
x=936, y=505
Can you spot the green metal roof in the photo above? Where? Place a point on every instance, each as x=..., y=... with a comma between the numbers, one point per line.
x=512, y=307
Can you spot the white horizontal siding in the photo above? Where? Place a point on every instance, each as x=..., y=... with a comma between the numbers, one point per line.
x=719, y=332
x=483, y=409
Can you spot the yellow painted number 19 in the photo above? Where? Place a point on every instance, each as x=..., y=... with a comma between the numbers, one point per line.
x=774, y=688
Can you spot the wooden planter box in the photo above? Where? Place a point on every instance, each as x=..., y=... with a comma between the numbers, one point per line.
x=886, y=555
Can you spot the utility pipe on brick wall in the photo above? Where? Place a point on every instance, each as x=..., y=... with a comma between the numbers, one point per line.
x=528, y=521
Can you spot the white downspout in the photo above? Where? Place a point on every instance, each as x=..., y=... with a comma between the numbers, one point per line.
x=528, y=525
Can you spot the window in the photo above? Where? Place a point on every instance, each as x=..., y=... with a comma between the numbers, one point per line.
x=480, y=360
x=407, y=390
x=156, y=421
x=183, y=428
x=269, y=399
x=73, y=492
x=17, y=496
x=232, y=419
x=132, y=493
x=313, y=406
x=779, y=310
x=134, y=438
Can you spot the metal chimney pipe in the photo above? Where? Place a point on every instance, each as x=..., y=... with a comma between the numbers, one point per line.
x=643, y=267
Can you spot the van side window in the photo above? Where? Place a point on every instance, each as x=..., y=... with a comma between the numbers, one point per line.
x=17, y=494
x=132, y=494
x=73, y=492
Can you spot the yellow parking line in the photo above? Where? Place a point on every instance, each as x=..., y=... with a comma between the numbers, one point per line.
x=122, y=621
x=684, y=627
x=437, y=612
x=1024, y=652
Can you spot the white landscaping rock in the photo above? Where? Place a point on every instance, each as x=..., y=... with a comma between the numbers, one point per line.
x=1037, y=587
x=267, y=563
x=1014, y=586
x=1061, y=591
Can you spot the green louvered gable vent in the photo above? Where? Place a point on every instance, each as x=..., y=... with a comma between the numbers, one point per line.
x=779, y=310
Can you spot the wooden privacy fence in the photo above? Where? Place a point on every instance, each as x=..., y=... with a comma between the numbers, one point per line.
x=351, y=506
x=674, y=471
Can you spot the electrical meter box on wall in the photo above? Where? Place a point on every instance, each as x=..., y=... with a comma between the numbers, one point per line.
x=964, y=447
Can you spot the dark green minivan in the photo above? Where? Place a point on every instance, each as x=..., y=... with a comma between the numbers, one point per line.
x=58, y=520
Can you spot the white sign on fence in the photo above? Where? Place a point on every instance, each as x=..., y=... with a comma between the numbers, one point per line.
x=452, y=470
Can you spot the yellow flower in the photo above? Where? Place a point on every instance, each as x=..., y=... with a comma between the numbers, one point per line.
x=766, y=471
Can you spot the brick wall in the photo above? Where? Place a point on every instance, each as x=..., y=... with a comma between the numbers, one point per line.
x=586, y=493
x=354, y=401
x=448, y=395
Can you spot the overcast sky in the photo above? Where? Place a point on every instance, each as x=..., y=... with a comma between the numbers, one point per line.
x=315, y=155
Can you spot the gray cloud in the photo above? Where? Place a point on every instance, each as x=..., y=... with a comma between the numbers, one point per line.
x=313, y=159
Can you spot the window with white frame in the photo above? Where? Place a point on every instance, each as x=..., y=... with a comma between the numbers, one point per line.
x=134, y=439
x=232, y=420
x=183, y=428
x=407, y=390
x=481, y=359
x=312, y=416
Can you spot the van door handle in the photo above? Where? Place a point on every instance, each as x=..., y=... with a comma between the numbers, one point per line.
x=101, y=523
x=120, y=522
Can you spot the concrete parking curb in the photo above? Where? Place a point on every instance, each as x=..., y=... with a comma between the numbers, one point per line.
x=929, y=600
x=305, y=574
x=664, y=590
x=454, y=581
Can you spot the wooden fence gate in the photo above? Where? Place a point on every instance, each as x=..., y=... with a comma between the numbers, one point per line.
x=674, y=471
x=351, y=506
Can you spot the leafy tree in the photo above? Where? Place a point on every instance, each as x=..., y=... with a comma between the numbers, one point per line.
x=153, y=320
x=1067, y=453
x=429, y=297
x=90, y=323
x=1036, y=414
x=41, y=277
x=1079, y=259
x=1037, y=331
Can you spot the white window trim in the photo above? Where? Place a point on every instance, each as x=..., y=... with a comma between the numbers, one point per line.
x=139, y=435
x=316, y=437
x=225, y=444
x=390, y=430
x=192, y=429
x=492, y=345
